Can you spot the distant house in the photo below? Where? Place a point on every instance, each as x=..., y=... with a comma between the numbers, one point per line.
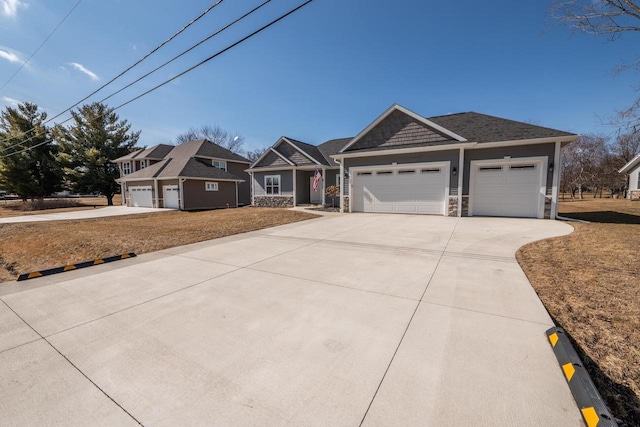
x=193, y=175
x=465, y=164
x=633, y=170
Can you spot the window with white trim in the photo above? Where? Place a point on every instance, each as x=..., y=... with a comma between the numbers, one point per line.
x=272, y=184
x=211, y=186
x=220, y=164
x=143, y=164
x=126, y=168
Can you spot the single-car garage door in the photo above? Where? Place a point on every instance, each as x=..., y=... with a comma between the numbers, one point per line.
x=420, y=189
x=513, y=189
x=141, y=196
x=171, y=196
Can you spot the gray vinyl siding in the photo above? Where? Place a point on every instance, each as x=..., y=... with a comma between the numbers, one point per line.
x=452, y=156
x=286, y=182
x=537, y=150
x=271, y=159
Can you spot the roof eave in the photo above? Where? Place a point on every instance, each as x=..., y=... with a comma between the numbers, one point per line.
x=632, y=164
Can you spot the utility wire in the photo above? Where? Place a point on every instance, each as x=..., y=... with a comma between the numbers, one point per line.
x=154, y=50
x=220, y=52
x=188, y=50
x=41, y=44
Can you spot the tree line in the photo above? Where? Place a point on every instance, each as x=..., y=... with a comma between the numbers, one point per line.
x=37, y=160
x=591, y=163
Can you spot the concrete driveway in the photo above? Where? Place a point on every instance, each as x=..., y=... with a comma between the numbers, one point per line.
x=346, y=320
x=83, y=214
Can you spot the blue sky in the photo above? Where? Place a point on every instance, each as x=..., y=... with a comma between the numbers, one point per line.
x=325, y=72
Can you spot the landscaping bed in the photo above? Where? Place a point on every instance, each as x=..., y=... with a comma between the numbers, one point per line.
x=27, y=247
x=589, y=282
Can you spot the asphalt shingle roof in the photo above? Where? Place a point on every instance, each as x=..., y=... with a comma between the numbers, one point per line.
x=476, y=127
x=182, y=161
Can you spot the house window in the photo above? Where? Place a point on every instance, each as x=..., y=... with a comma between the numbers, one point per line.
x=126, y=168
x=220, y=164
x=211, y=186
x=338, y=180
x=143, y=164
x=272, y=184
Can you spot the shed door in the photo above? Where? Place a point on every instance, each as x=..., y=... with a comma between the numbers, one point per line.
x=508, y=189
x=417, y=189
x=140, y=196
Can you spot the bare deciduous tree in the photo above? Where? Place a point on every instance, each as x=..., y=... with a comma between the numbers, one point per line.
x=610, y=18
x=215, y=134
x=581, y=163
x=254, y=155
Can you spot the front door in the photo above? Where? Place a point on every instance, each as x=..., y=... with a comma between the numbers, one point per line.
x=315, y=196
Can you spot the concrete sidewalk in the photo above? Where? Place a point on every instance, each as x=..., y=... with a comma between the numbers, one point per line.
x=353, y=319
x=83, y=214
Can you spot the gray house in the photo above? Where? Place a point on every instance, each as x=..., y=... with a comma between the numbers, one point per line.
x=633, y=170
x=465, y=164
x=193, y=175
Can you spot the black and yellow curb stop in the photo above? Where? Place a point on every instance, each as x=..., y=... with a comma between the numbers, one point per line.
x=85, y=264
x=592, y=407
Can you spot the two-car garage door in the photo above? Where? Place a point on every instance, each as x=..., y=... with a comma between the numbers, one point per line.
x=140, y=196
x=419, y=189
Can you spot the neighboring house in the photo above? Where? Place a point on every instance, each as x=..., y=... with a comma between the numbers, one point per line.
x=465, y=164
x=193, y=175
x=283, y=176
x=633, y=170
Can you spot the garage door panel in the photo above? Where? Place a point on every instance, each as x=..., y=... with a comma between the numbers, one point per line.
x=141, y=196
x=507, y=190
x=400, y=190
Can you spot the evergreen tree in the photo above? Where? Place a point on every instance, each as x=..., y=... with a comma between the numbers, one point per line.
x=88, y=146
x=27, y=154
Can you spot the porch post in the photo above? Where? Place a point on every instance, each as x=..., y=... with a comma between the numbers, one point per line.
x=556, y=182
x=341, y=185
x=155, y=185
x=460, y=180
x=324, y=183
x=295, y=192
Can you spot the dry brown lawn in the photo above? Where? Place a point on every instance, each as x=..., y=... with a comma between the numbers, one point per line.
x=27, y=247
x=590, y=283
x=10, y=208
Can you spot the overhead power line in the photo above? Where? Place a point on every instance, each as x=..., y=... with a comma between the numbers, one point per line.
x=220, y=52
x=41, y=44
x=154, y=50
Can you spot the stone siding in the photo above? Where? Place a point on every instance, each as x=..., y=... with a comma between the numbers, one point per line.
x=634, y=194
x=453, y=206
x=273, y=201
x=345, y=203
x=465, y=205
x=547, y=207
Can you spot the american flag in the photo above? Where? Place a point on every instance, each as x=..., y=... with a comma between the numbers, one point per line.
x=316, y=177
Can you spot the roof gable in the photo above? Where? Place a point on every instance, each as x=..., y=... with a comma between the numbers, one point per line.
x=294, y=154
x=629, y=167
x=271, y=158
x=399, y=127
x=399, y=130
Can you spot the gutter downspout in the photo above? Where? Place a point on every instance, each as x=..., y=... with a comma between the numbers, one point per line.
x=295, y=191
x=236, y=194
x=460, y=180
x=341, y=162
x=555, y=184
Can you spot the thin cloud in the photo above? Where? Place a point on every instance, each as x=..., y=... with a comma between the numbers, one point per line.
x=84, y=70
x=10, y=56
x=10, y=101
x=10, y=7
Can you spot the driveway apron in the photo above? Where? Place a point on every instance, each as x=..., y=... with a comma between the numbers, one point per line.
x=345, y=320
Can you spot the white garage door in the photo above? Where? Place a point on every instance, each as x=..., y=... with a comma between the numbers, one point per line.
x=507, y=189
x=141, y=196
x=171, y=196
x=419, y=189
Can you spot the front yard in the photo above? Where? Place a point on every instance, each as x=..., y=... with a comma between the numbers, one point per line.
x=590, y=283
x=27, y=247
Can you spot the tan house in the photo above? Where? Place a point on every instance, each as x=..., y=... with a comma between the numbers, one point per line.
x=193, y=175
